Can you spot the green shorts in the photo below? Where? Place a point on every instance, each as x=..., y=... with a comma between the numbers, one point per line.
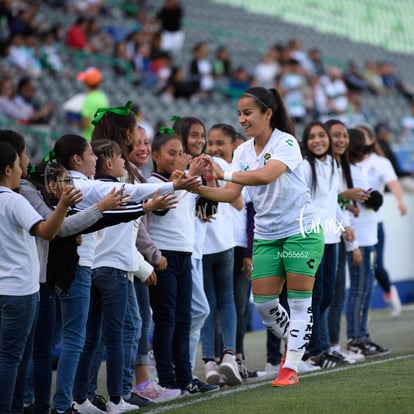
x=294, y=254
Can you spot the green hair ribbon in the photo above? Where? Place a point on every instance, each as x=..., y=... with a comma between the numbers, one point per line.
x=119, y=110
x=49, y=156
x=31, y=169
x=166, y=130
x=175, y=118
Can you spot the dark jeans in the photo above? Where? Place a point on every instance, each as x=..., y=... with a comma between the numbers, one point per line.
x=242, y=286
x=381, y=273
x=323, y=293
x=171, y=306
x=337, y=304
x=17, y=317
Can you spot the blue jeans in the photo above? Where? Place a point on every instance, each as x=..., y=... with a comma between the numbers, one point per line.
x=323, y=292
x=218, y=285
x=337, y=304
x=17, y=317
x=242, y=287
x=171, y=306
x=39, y=374
x=200, y=308
x=96, y=362
x=132, y=332
x=360, y=293
x=74, y=306
x=142, y=293
x=381, y=273
x=107, y=310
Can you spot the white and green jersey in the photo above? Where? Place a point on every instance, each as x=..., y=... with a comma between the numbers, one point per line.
x=283, y=207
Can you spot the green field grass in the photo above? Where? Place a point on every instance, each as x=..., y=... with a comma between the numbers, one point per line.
x=379, y=385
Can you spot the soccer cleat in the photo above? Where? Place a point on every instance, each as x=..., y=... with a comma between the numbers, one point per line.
x=247, y=374
x=212, y=373
x=286, y=378
x=230, y=370
x=196, y=387
x=155, y=393
x=87, y=408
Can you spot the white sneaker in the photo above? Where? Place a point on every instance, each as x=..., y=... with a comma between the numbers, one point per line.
x=212, y=373
x=230, y=370
x=307, y=366
x=394, y=302
x=271, y=370
x=121, y=407
x=350, y=357
x=87, y=408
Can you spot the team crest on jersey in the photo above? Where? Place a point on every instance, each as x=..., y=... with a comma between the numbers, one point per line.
x=246, y=168
x=266, y=158
x=289, y=141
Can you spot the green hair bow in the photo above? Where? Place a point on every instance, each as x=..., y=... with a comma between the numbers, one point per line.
x=49, y=156
x=119, y=110
x=166, y=130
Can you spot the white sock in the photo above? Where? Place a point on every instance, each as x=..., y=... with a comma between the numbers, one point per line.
x=300, y=331
x=274, y=317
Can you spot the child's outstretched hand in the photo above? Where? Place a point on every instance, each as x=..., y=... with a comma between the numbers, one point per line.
x=70, y=196
x=182, y=182
x=182, y=162
x=113, y=200
x=161, y=202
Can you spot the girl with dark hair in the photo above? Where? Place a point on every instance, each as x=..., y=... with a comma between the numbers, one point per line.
x=20, y=269
x=288, y=242
x=380, y=173
x=171, y=298
x=362, y=275
x=323, y=180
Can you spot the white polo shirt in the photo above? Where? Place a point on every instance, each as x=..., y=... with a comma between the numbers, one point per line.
x=283, y=207
x=19, y=263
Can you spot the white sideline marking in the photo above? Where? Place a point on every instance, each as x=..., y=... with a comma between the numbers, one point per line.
x=241, y=388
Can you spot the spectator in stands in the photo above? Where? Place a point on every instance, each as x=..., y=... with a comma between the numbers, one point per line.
x=316, y=63
x=201, y=68
x=222, y=63
x=392, y=81
x=172, y=34
x=177, y=86
x=239, y=81
x=76, y=37
x=354, y=79
x=99, y=40
x=22, y=54
x=95, y=99
x=406, y=136
x=295, y=48
x=384, y=133
x=330, y=94
x=49, y=53
x=24, y=21
x=266, y=70
x=293, y=86
x=373, y=77
x=26, y=100
x=9, y=110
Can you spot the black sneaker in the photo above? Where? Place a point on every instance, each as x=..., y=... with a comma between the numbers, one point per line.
x=247, y=374
x=371, y=349
x=135, y=399
x=328, y=360
x=29, y=409
x=70, y=410
x=100, y=402
x=196, y=387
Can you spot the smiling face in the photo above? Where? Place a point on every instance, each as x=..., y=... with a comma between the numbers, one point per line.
x=220, y=144
x=318, y=142
x=196, y=140
x=166, y=156
x=140, y=154
x=254, y=122
x=340, y=139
